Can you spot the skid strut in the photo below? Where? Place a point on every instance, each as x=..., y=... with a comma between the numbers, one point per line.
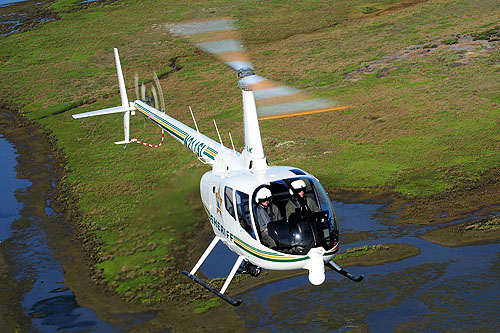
x=205, y=285
x=341, y=271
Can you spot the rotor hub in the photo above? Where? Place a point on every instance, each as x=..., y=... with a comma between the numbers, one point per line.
x=245, y=72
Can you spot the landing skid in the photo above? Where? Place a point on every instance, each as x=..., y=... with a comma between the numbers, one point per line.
x=205, y=285
x=341, y=271
x=212, y=289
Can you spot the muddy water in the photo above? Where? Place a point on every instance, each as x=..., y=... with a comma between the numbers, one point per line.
x=440, y=289
x=32, y=277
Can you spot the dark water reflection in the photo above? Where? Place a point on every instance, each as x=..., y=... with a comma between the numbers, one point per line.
x=27, y=225
x=8, y=185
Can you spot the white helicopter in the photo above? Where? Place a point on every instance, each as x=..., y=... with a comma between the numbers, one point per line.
x=272, y=217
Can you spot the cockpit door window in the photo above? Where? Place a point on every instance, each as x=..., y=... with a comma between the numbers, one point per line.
x=228, y=200
x=243, y=209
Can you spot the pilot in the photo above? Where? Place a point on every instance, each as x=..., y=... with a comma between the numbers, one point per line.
x=266, y=212
x=300, y=200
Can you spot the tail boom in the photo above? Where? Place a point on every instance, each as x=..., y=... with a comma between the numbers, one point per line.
x=205, y=148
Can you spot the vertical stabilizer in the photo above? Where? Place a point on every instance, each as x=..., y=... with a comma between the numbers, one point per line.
x=254, y=152
x=124, y=99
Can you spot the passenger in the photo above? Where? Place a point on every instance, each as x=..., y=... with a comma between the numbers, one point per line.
x=300, y=200
x=266, y=212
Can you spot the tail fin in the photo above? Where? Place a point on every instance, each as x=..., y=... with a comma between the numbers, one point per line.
x=125, y=108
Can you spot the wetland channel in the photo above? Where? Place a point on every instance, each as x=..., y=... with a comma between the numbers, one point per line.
x=440, y=289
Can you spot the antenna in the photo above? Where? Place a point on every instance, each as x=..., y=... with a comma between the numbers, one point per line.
x=218, y=133
x=232, y=144
x=196, y=125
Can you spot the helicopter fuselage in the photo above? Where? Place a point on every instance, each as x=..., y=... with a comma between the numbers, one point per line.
x=230, y=204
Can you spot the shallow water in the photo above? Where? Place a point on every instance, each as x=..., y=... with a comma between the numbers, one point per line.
x=26, y=189
x=440, y=289
x=8, y=2
x=8, y=185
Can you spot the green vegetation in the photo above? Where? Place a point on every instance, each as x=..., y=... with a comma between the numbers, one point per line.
x=203, y=306
x=467, y=233
x=418, y=127
x=376, y=254
x=62, y=5
x=450, y=41
x=360, y=251
x=52, y=110
x=492, y=34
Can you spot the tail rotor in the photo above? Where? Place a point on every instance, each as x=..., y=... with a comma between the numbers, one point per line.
x=158, y=86
x=126, y=107
x=156, y=98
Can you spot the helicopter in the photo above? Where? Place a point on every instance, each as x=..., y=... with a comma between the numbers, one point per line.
x=272, y=217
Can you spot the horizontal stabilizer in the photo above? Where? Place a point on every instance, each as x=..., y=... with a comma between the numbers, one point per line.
x=116, y=109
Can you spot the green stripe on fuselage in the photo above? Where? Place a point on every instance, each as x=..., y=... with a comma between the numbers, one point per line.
x=271, y=259
x=268, y=253
x=209, y=156
x=158, y=120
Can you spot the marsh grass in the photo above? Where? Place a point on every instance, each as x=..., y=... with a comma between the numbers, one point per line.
x=418, y=128
x=203, y=306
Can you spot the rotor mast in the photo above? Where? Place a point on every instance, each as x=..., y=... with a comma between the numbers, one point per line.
x=254, y=152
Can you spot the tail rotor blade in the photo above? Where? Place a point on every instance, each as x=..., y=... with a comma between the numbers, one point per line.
x=155, y=97
x=143, y=92
x=160, y=91
x=136, y=85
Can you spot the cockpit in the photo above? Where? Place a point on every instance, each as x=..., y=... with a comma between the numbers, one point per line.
x=294, y=215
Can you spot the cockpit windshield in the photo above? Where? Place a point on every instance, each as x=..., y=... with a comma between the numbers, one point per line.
x=294, y=215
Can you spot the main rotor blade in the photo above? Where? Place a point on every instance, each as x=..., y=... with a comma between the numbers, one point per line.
x=195, y=28
x=279, y=101
x=217, y=37
x=221, y=38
